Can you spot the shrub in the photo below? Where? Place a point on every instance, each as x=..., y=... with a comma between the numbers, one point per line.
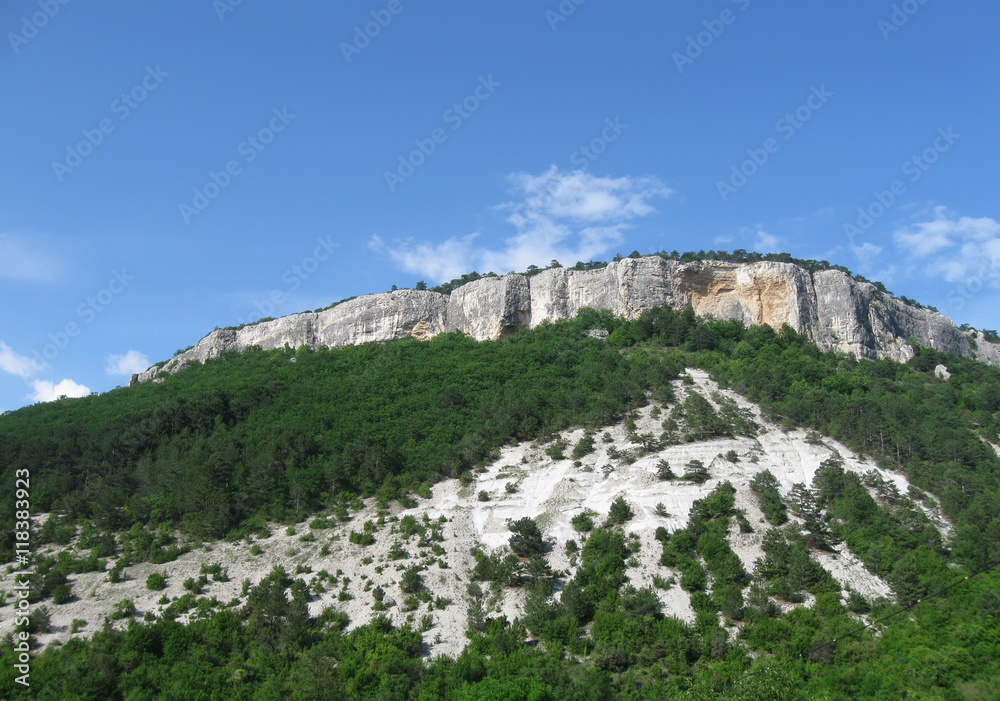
x=555, y=451
x=411, y=581
x=484, y=495
x=582, y=523
x=123, y=609
x=62, y=594
x=585, y=446
x=195, y=586
x=157, y=581
x=362, y=539
x=397, y=552
x=115, y=573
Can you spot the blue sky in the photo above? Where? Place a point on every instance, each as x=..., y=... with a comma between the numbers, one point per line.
x=170, y=167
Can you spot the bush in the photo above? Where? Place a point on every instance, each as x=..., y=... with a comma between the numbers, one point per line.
x=362, y=539
x=195, y=586
x=157, y=581
x=555, y=451
x=62, y=594
x=115, y=573
x=484, y=495
x=411, y=581
x=582, y=523
x=585, y=446
x=123, y=609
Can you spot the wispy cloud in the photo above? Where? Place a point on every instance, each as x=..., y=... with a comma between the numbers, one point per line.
x=866, y=254
x=22, y=261
x=949, y=246
x=16, y=364
x=131, y=362
x=567, y=216
x=436, y=261
x=46, y=391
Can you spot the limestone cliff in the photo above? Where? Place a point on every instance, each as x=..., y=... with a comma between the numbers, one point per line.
x=834, y=310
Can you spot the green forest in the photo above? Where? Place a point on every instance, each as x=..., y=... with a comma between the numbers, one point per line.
x=217, y=450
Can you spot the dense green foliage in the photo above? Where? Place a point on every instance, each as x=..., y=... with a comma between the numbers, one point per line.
x=257, y=435
x=279, y=434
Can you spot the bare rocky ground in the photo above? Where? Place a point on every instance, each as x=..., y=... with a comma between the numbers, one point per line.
x=550, y=491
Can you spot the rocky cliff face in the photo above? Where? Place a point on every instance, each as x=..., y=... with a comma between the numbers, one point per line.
x=834, y=310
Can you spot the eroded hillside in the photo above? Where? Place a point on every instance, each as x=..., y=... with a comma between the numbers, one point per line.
x=439, y=533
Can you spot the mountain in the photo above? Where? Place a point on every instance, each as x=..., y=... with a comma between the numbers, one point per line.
x=835, y=311
x=623, y=505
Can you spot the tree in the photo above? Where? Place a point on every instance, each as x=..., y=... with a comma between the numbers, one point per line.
x=663, y=470
x=696, y=472
x=620, y=511
x=527, y=537
x=421, y=285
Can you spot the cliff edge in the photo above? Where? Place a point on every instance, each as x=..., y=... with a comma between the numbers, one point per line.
x=836, y=311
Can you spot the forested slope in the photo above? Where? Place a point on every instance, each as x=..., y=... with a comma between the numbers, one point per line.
x=217, y=449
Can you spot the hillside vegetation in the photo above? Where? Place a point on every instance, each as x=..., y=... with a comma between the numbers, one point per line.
x=217, y=450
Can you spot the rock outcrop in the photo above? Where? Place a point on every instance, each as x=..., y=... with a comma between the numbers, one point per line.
x=837, y=312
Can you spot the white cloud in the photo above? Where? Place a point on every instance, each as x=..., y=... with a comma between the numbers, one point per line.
x=580, y=195
x=132, y=362
x=764, y=242
x=15, y=364
x=437, y=261
x=566, y=216
x=46, y=391
x=951, y=247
